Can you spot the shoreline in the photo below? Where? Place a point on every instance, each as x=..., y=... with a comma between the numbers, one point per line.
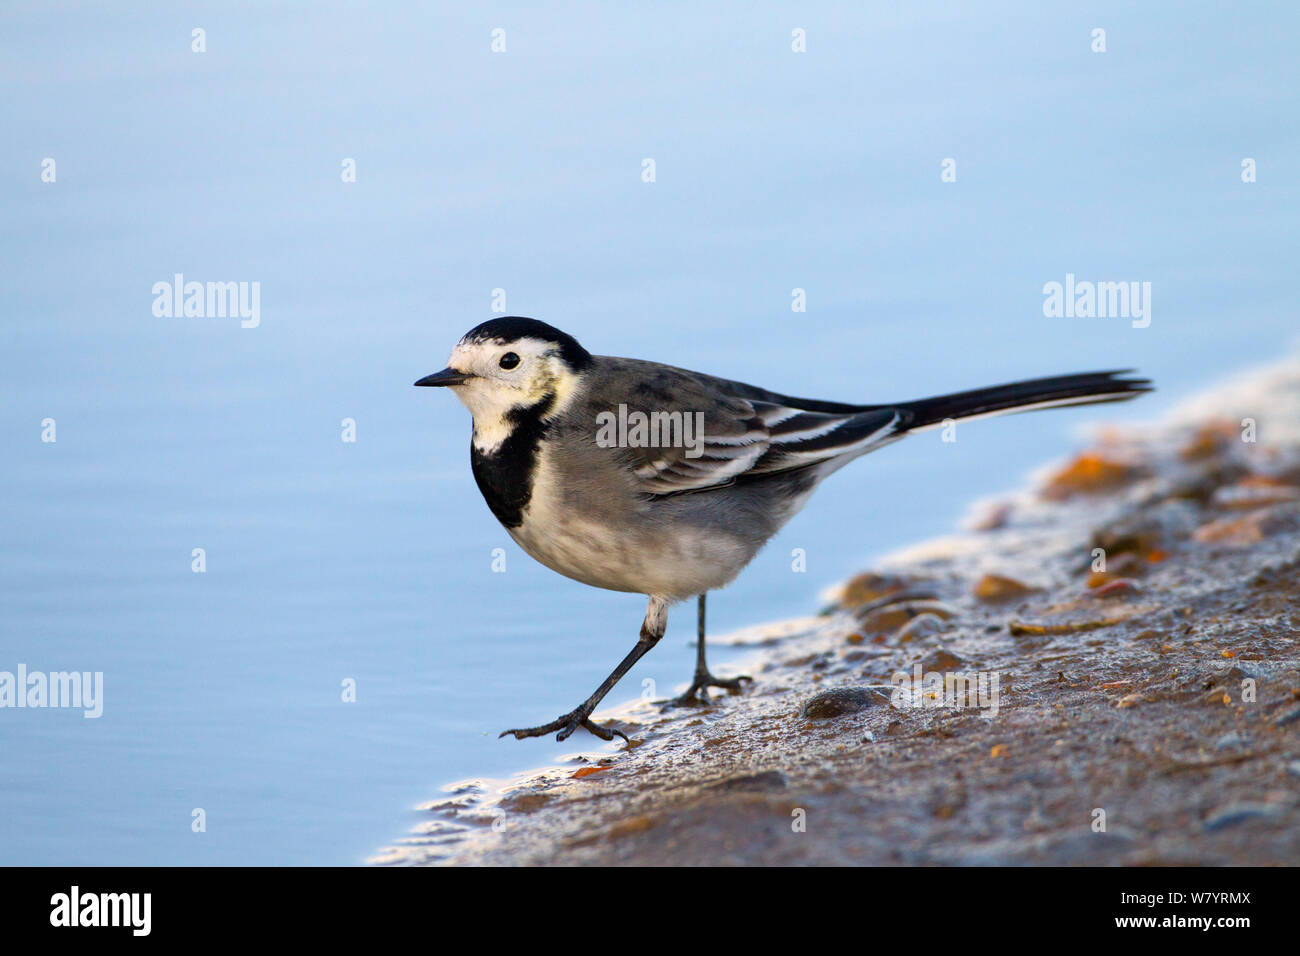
x=1147, y=713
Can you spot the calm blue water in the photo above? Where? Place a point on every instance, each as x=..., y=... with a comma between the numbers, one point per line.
x=372, y=561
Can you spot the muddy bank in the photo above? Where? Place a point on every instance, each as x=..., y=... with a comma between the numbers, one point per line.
x=1102, y=669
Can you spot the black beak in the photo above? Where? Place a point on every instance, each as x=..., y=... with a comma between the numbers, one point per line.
x=448, y=376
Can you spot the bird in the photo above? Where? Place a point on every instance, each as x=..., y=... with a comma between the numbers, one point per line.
x=646, y=478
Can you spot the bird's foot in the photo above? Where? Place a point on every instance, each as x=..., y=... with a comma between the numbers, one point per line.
x=566, y=725
x=698, y=692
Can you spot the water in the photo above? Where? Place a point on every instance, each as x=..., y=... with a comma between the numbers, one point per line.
x=371, y=561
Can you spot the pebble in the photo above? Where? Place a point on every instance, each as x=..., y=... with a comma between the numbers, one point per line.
x=1290, y=717
x=870, y=586
x=997, y=587
x=923, y=626
x=940, y=660
x=1138, y=534
x=1117, y=587
x=1236, y=813
x=886, y=619
x=767, y=780
x=1090, y=473
x=838, y=702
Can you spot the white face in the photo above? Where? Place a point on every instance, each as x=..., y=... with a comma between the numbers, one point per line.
x=494, y=390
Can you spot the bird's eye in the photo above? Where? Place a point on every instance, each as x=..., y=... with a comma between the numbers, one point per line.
x=509, y=360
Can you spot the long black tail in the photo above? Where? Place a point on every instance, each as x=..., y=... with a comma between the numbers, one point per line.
x=1085, y=388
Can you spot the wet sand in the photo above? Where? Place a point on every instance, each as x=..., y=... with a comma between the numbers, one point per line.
x=1147, y=713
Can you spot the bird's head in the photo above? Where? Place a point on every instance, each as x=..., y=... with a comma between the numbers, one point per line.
x=508, y=365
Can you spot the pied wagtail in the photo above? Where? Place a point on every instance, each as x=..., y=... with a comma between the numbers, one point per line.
x=623, y=509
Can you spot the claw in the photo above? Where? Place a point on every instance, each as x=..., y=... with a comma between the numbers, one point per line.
x=566, y=725
x=698, y=692
x=604, y=733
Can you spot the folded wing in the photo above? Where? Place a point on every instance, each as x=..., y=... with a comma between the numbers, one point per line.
x=696, y=433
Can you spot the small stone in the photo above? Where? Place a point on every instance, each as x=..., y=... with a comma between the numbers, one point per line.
x=1254, y=492
x=997, y=587
x=767, y=780
x=1119, y=587
x=1290, y=717
x=1238, y=532
x=886, y=620
x=1240, y=813
x=869, y=587
x=922, y=626
x=1251, y=529
x=630, y=827
x=1233, y=675
x=1088, y=473
x=1209, y=440
x=940, y=660
x=525, y=802
x=838, y=702
x=1132, y=535
x=1230, y=740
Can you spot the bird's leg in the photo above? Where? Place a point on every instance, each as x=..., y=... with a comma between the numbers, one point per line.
x=698, y=692
x=652, y=629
